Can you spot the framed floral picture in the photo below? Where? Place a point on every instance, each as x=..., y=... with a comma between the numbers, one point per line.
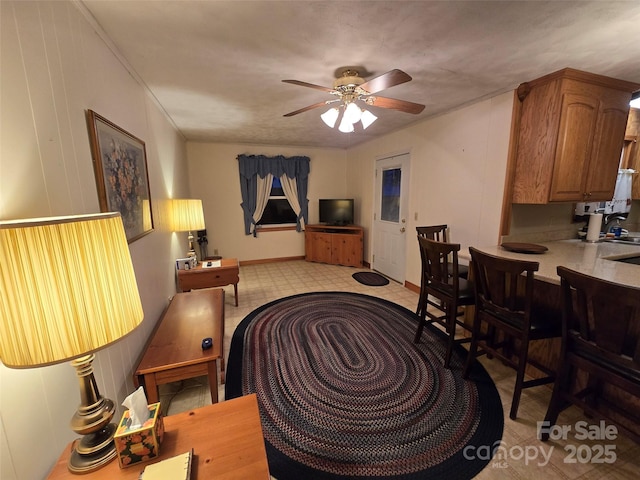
x=120, y=165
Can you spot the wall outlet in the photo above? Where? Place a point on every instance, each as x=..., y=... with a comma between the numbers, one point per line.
x=215, y=251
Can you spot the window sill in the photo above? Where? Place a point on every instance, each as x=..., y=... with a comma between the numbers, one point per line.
x=275, y=228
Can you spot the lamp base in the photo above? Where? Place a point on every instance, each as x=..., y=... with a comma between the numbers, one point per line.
x=192, y=251
x=86, y=463
x=92, y=420
x=96, y=441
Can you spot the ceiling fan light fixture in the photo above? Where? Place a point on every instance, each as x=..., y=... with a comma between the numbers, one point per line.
x=367, y=119
x=345, y=125
x=330, y=116
x=350, y=88
x=352, y=113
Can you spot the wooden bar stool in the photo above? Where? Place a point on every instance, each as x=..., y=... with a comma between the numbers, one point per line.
x=449, y=289
x=504, y=293
x=600, y=336
x=439, y=234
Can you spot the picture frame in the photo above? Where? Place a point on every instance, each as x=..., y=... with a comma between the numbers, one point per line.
x=120, y=165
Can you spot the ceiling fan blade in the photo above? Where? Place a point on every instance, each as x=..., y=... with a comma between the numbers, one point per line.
x=402, y=105
x=386, y=80
x=310, y=107
x=310, y=85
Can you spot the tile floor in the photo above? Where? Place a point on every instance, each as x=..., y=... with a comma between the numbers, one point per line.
x=523, y=455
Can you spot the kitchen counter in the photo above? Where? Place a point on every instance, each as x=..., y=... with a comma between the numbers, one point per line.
x=595, y=259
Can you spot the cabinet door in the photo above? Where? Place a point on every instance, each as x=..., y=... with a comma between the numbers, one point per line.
x=631, y=149
x=318, y=247
x=631, y=159
x=573, y=149
x=607, y=147
x=347, y=250
x=635, y=164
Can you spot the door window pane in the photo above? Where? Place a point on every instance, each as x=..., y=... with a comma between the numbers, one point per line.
x=390, y=206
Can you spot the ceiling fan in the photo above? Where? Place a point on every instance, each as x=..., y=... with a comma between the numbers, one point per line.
x=351, y=88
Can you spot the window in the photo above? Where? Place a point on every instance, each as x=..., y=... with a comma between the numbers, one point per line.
x=278, y=211
x=390, y=208
x=257, y=173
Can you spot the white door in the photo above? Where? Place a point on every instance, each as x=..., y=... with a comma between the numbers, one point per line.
x=390, y=215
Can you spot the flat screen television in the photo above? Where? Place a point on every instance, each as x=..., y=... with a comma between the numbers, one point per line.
x=336, y=211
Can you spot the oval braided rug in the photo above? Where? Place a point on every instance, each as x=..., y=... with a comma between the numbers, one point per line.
x=344, y=392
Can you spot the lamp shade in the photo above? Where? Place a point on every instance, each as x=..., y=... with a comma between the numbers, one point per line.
x=345, y=125
x=330, y=116
x=352, y=113
x=186, y=215
x=367, y=119
x=67, y=288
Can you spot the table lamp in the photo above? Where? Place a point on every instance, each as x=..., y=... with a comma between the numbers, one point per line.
x=186, y=216
x=68, y=289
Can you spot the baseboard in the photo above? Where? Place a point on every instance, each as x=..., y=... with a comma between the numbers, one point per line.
x=412, y=287
x=281, y=259
x=270, y=260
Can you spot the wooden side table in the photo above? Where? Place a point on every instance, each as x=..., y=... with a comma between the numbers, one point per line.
x=174, y=351
x=226, y=439
x=206, y=277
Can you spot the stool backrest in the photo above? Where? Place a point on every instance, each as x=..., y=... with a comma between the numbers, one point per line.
x=601, y=318
x=504, y=287
x=440, y=264
x=433, y=232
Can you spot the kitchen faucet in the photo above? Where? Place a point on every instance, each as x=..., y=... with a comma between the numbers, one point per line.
x=609, y=219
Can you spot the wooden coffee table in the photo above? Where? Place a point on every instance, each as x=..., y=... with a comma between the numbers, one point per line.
x=227, y=273
x=226, y=439
x=174, y=351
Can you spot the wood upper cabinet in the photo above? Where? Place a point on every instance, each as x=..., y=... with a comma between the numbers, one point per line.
x=631, y=150
x=570, y=137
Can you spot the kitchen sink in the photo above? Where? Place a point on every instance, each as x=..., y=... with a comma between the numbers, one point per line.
x=627, y=240
x=632, y=260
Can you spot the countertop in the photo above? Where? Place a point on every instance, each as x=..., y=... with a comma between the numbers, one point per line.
x=595, y=259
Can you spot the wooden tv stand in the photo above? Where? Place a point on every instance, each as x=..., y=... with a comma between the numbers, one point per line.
x=336, y=245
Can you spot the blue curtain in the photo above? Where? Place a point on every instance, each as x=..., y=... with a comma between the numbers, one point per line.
x=252, y=166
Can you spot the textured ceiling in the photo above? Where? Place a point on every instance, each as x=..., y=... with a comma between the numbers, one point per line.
x=216, y=67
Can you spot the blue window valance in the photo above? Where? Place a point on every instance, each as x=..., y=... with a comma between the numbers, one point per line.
x=253, y=166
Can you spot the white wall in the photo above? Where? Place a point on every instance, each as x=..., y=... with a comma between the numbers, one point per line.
x=458, y=164
x=55, y=67
x=215, y=179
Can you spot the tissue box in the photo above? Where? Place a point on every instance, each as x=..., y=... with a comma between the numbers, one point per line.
x=140, y=444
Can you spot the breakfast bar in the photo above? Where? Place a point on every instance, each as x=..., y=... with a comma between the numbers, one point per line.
x=600, y=259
